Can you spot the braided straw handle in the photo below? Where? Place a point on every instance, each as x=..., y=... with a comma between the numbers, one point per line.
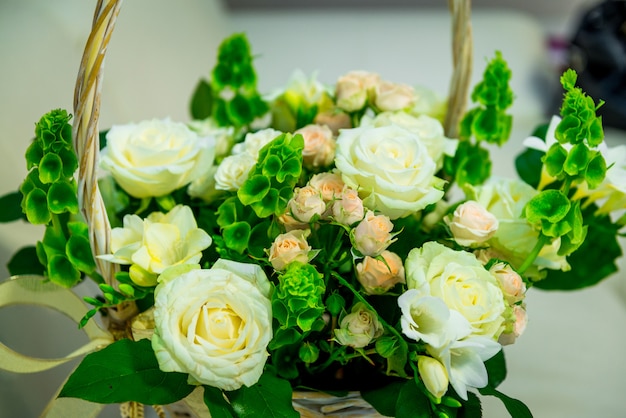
x=462, y=47
x=85, y=132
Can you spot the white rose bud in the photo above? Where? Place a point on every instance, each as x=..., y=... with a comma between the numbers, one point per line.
x=254, y=141
x=359, y=328
x=319, y=146
x=233, y=171
x=373, y=234
x=472, y=224
x=289, y=247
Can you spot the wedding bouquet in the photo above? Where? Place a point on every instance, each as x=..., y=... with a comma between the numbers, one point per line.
x=321, y=239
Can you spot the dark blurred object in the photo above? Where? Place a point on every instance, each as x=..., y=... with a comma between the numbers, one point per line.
x=598, y=53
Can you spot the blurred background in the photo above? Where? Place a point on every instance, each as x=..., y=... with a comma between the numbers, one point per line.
x=570, y=361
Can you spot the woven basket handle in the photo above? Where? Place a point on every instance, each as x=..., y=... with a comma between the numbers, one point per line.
x=87, y=111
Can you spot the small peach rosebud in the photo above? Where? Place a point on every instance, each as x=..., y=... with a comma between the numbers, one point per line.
x=511, y=283
x=393, y=96
x=329, y=184
x=289, y=247
x=472, y=224
x=521, y=320
x=306, y=203
x=353, y=89
x=348, y=209
x=373, y=234
x=319, y=146
x=335, y=120
x=377, y=276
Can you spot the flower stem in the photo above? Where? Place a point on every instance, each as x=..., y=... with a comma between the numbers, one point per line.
x=543, y=240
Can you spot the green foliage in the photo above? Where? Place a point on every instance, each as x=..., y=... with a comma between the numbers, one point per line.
x=593, y=261
x=231, y=98
x=412, y=402
x=11, y=207
x=489, y=121
x=385, y=398
x=25, y=261
x=270, y=397
x=297, y=301
x=470, y=165
x=271, y=182
x=125, y=371
x=515, y=407
x=217, y=404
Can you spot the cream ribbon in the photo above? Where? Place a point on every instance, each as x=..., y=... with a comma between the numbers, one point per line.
x=35, y=290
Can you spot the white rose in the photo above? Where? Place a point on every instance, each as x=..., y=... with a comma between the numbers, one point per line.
x=223, y=135
x=393, y=96
x=214, y=324
x=390, y=167
x=306, y=203
x=154, y=158
x=157, y=242
x=254, y=141
x=429, y=130
x=461, y=281
x=471, y=224
x=233, y=171
x=359, y=328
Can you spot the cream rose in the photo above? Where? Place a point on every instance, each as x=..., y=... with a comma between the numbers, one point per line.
x=254, y=141
x=359, y=328
x=157, y=242
x=214, y=324
x=153, y=158
x=233, y=171
x=377, y=276
x=461, y=281
x=390, y=167
x=393, y=96
x=372, y=235
x=289, y=247
x=319, y=146
x=429, y=130
x=471, y=224
x=354, y=88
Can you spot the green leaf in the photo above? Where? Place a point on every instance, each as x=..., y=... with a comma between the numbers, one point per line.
x=592, y=262
x=269, y=397
x=125, y=371
x=385, y=398
x=201, y=101
x=25, y=261
x=516, y=408
x=78, y=251
x=496, y=369
x=217, y=404
x=11, y=207
x=412, y=402
x=62, y=272
x=472, y=408
x=236, y=236
x=528, y=165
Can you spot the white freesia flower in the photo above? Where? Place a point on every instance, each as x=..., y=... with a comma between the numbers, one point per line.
x=153, y=158
x=158, y=242
x=428, y=318
x=214, y=324
x=390, y=167
x=461, y=281
x=464, y=362
x=308, y=89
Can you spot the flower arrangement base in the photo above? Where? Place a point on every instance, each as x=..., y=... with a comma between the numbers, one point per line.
x=317, y=404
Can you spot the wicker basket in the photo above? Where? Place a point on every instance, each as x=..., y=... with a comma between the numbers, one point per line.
x=87, y=98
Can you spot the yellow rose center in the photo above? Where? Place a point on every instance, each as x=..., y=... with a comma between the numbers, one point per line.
x=218, y=325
